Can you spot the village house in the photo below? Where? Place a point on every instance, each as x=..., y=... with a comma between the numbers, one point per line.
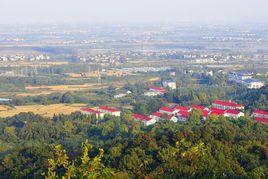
x=167, y=110
x=182, y=108
x=156, y=115
x=216, y=111
x=233, y=113
x=261, y=116
x=92, y=111
x=183, y=116
x=224, y=105
x=101, y=111
x=146, y=120
x=155, y=91
x=202, y=108
x=109, y=110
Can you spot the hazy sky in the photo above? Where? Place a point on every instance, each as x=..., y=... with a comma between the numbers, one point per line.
x=88, y=11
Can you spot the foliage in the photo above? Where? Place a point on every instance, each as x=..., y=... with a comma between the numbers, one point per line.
x=83, y=167
x=215, y=148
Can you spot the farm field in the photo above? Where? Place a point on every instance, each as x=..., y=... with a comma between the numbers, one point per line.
x=45, y=90
x=44, y=110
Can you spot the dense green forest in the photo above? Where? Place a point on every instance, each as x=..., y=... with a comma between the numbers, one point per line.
x=76, y=145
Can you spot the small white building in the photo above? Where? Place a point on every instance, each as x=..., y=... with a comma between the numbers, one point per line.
x=152, y=93
x=169, y=84
x=120, y=95
x=146, y=120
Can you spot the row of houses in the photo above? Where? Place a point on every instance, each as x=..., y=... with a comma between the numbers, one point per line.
x=99, y=112
x=178, y=113
x=181, y=113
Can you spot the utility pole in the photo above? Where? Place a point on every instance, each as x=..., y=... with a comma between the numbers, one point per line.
x=99, y=76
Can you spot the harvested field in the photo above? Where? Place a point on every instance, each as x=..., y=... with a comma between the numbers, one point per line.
x=45, y=90
x=44, y=110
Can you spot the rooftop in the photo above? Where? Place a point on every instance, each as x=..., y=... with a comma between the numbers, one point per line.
x=91, y=110
x=264, y=112
x=167, y=109
x=106, y=108
x=232, y=111
x=141, y=117
x=227, y=103
x=182, y=108
x=263, y=120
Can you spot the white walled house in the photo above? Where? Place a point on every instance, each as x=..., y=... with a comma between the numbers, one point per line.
x=233, y=113
x=146, y=120
x=224, y=105
x=109, y=110
x=91, y=111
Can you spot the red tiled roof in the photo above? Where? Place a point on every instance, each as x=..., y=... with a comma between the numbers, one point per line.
x=232, y=111
x=184, y=113
x=168, y=117
x=227, y=103
x=167, y=109
x=264, y=112
x=262, y=120
x=159, y=89
x=157, y=114
x=216, y=111
x=141, y=117
x=205, y=113
x=182, y=108
x=195, y=106
x=106, y=108
x=90, y=110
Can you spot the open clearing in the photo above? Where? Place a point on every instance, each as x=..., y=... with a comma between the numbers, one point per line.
x=44, y=110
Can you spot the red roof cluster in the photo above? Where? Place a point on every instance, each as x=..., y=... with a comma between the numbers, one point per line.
x=184, y=111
